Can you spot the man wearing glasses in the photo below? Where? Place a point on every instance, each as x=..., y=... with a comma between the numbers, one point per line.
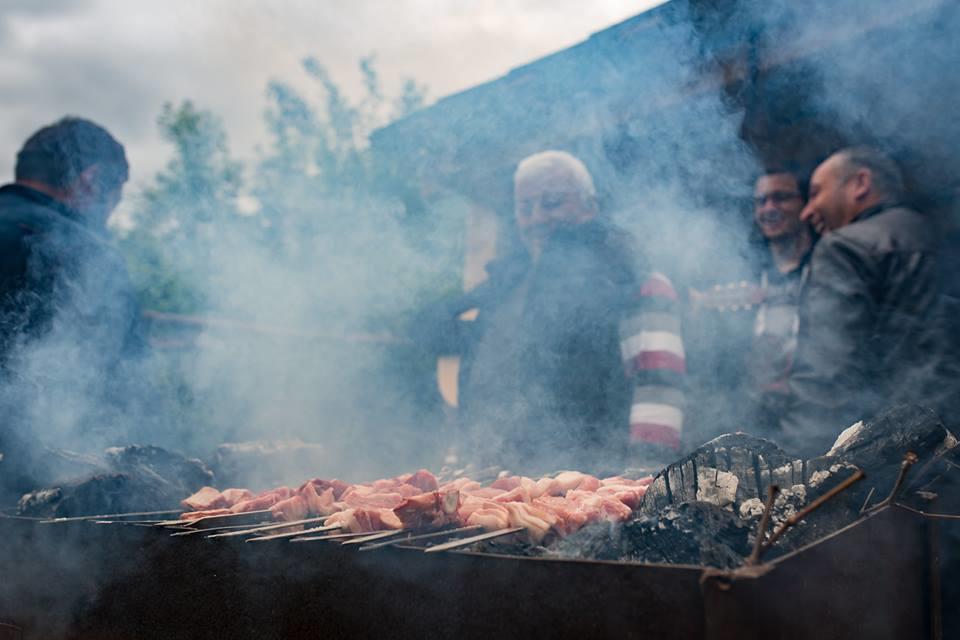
x=778, y=200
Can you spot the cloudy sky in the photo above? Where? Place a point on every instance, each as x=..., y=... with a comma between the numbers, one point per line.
x=118, y=61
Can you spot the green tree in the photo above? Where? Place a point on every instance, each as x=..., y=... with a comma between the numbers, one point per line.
x=179, y=218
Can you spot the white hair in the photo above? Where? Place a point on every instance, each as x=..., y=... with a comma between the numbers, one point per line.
x=552, y=162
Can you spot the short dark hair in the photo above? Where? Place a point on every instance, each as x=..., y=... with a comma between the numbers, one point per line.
x=802, y=178
x=58, y=153
x=884, y=172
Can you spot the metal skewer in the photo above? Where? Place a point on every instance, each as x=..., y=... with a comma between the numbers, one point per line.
x=425, y=536
x=293, y=534
x=376, y=536
x=210, y=522
x=331, y=538
x=465, y=542
x=112, y=516
x=267, y=527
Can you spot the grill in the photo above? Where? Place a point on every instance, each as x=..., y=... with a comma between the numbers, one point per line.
x=876, y=578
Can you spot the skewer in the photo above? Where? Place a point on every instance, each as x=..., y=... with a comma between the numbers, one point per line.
x=772, y=492
x=267, y=527
x=465, y=542
x=376, y=536
x=208, y=522
x=189, y=531
x=435, y=534
x=135, y=523
x=857, y=476
x=331, y=538
x=292, y=534
x=109, y=516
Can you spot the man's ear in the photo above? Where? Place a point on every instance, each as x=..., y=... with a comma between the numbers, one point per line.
x=862, y=183
x=86, y=182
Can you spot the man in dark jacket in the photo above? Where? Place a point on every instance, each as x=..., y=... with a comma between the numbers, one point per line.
x=868, y=311
x=575, y=356
x=68, y=316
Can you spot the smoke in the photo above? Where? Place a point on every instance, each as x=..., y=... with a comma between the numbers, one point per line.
x=319, y=280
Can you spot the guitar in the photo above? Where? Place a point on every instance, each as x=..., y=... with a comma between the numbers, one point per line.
x=733, y=296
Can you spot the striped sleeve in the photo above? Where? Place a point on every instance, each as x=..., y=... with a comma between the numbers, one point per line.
x=653, y=356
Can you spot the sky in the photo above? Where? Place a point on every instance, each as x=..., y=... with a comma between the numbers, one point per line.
x=117, y=62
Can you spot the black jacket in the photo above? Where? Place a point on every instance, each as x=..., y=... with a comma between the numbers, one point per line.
x=559, y=395
x=870, y=333
x=69, y=321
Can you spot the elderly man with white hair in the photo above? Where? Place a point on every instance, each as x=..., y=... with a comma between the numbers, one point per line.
x=576, y=359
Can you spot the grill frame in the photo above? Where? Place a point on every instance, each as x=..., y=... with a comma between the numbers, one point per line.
x=137, y=581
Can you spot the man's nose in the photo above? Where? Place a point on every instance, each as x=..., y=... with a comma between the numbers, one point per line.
x=767, y=206
x=807, y=214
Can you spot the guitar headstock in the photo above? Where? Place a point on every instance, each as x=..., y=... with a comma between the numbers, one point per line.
x=733, y=296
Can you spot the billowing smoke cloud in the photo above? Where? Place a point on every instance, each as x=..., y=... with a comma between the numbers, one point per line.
x=319, y=283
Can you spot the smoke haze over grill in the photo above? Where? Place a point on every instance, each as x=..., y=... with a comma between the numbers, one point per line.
x=329, y=250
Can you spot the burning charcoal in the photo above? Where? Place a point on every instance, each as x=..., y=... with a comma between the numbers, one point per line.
x=878, y=446
x=696, y=533
x=142, y=479
x=725, y=471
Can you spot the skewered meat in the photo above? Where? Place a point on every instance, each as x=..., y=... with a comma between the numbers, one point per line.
x=545, y=507
x=204, y=499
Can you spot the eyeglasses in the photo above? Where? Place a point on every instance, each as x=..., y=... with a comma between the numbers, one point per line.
x=775, y=197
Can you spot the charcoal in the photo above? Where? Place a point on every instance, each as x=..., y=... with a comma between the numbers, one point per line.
x=878, y=446
x=140, y=478
x=725, y=471
x=693, y=533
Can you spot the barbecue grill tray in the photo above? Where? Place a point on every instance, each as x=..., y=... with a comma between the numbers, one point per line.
x=84, y=580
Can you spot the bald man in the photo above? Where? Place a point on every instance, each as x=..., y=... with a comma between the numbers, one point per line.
x=576, y=359
x=869, y=334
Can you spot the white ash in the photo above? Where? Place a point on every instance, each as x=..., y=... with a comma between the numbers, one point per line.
x=716, y=487
x=845, y=436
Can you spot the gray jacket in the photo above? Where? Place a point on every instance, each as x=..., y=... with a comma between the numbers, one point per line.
x=870, y=334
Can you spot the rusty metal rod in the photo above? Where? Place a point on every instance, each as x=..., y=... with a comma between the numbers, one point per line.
x=772, y=492
x=792, y=521
x=909, y=459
